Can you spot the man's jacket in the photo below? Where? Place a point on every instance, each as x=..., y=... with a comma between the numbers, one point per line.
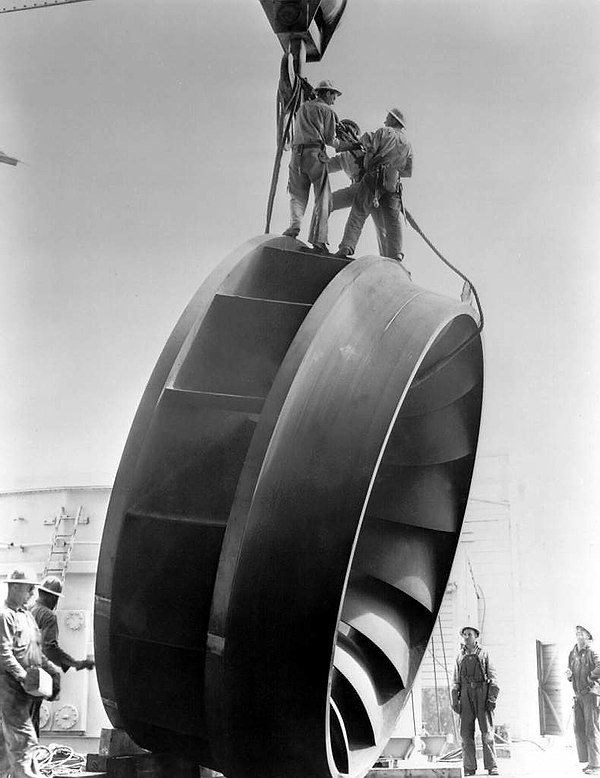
x=20, y=643
x=48, y=623
x=584, y=665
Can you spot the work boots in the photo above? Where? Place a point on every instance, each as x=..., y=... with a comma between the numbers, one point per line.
x=344, y=251
x=320, y=248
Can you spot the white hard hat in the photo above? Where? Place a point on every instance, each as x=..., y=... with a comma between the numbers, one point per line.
x=20, y=576
x=326, y=85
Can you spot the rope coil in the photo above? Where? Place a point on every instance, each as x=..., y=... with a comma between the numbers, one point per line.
x=57, y=760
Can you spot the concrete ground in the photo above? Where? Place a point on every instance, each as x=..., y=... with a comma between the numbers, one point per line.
x=557, y=759
x=528, y=760
x=554, y=759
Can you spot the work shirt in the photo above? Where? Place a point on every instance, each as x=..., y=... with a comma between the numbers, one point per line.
x=584, y=664
x=475, y=667
x=390, y=147
x=20, y=641
x=48, y=624
x=315, y=123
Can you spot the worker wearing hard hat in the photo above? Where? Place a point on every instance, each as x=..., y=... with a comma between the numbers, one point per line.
x=44, y=613
x=352, y=163
x=314, y=129
x=388, y=159
x=584, y=674
x=474, y=694
x=20, y=652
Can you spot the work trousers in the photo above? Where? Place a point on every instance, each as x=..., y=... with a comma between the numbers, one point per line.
x=18, y=740
x=586, y=723
x=343, y=198
x=472, y=708
x=308, y=167
x=389, y=217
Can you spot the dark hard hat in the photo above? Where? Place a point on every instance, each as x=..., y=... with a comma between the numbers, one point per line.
x=585, y=629
x=19, y=576
x=352, y=124
x=462, y=632
x=398, y=116
x=52, y=585
x=326, y=86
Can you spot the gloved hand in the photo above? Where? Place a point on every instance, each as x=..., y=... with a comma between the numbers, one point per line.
x=85, y=664
x=455, y=701
x=350, y=146
x=55, y=687
x=490, y=706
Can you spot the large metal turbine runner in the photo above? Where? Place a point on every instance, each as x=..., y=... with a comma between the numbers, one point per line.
x=286, y=513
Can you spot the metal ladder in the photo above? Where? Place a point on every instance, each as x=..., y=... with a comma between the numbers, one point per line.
x=63, y=540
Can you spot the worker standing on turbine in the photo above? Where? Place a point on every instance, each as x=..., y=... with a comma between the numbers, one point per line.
x=388, y=159
x=314, y=130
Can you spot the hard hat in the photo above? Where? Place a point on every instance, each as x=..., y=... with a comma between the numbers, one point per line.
x=52, y=585
x=326, y=85
x=19, y=576
x=462, y=631
x=352, y=124
x=585, y=629
x=398, y=116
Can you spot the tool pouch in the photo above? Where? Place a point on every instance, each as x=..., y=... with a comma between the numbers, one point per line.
x=390, y=179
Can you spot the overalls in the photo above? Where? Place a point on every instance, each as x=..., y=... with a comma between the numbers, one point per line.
x=473, y=696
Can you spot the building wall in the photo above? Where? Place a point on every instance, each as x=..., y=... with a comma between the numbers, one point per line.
x=27, y=521
x=484, y=590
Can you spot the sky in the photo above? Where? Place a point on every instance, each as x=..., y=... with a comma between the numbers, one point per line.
x=147, y=133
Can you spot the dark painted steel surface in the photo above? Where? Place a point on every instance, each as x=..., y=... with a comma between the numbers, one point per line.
x=286, y=513
x=312, y=21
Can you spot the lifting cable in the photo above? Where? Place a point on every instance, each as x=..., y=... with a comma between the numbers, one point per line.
x=289, y=100
x=419, y=231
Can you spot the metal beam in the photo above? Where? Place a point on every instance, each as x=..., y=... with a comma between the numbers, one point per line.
x=27, y=6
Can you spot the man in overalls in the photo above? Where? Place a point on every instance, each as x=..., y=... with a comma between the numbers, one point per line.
x=474, y=694
x=584, y=674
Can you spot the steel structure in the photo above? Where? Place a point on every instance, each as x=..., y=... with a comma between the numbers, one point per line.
x=26, y=5
x=286, y=513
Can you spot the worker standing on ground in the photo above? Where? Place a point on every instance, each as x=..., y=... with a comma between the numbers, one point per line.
x=584, y=674
x=314, y=130
x=44, y=613
x=388, y=159
x=474, y=694
x=20, y=649
x=352, y=163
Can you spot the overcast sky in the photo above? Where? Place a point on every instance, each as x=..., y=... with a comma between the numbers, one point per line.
x=147, y=129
